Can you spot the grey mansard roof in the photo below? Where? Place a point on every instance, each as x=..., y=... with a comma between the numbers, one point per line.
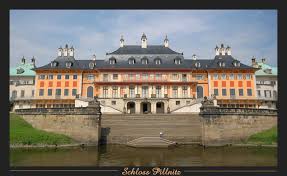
x=137, y=49
x=153, y=52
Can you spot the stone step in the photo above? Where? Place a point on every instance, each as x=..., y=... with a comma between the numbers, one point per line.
x=150, y=142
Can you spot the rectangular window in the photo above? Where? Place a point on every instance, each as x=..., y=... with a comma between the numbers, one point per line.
x=58, y=92
x=231, y=76
x=138, y=76
x=231, y=83
x=115, y=76
x=177, y=103
x=22, y=93
x=239, y=76
x=215, y=92
x=232, y=92
x=158, y=77
x=41, y=92
x=184, y=91
x=258, y=93
x=75, y=76
x=114, y=102
x=67, y=77
x=145, y=91
x=42, y=84
x=240, y=91
x=131, y=77
x=75, y=84
x=66, y=92
x=50, y=77
x=90, y=77
x=267, y=93
x=49, y=92
x=223, y=92
x=105, y=91
x=248, y=76
x=223, y=76
x=223, y=83
x=174, y=76
x=199, y=77
x=59, y=84
x=248, y=83
x=50, y=83
x=249, y=92
x=67, y=84
x=215, y=83
x=145, y=76
x=240, y=84
x=158, y=91
x=74, y=92
x=41, y=77
x=184, y=77
x=215, y=76
x=115, y=92
x=105, y=77
x=174, y=91
x=132, y=92
x=33, y=93
x=59, y=76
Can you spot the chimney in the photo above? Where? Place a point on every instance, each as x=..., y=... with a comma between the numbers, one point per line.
x=194, y=57
x=71, y=51
x=216, y=50
x=228, y=50
x=144, y=41
x=253, y=61
x=33, y=61
x=122, y=41
x=23, y=60
x=66, y=50
x=263, y=60
x=94, y=57
x=60, y=51
x=165, y=41
x=222, y=50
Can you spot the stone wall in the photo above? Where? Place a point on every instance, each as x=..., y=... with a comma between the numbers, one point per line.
x=222, y=126
x=81, y=124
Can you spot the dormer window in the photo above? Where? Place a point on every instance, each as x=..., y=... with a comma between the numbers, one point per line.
x=221, y=64
x=197, y=64
x=132, y=61
x=20, y=70
x=144, y=60
x=91, y=65
x=54, y=64
x=112, y=61
x=157, y=61
x=68, y=64
x=177, y=61
x=236, y=63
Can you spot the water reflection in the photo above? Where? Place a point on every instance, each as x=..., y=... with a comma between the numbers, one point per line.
x=119, y=155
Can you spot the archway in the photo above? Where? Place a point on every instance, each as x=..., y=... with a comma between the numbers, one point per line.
x=131, y=107
x=90, y=92
x=199, y=91
x=159, y=107
x=145, y=107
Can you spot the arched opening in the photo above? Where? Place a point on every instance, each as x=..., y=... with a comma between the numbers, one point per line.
x=90, y=92
x=145, y=107
x=199, y=91
x=159, y=107
x=131, y=107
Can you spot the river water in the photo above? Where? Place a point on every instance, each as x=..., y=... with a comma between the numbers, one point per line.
x=120, y=155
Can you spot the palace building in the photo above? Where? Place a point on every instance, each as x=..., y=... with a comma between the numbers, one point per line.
x=145, y=79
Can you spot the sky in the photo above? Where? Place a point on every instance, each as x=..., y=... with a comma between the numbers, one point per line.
x=40, y=33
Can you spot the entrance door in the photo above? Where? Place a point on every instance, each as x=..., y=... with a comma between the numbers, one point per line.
x=159, y=107
x=199, y=91
x=144, y=107
x=131, y=107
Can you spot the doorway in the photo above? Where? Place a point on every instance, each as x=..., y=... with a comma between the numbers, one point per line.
x=131, y=107
x=145, y=107
x=159, y=107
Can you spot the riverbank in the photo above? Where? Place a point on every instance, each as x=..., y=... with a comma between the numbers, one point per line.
x=267, y=137
x=23, y=134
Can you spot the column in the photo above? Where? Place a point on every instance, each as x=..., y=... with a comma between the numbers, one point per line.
x=188, y=92
x=138, y=107
x=153, y=107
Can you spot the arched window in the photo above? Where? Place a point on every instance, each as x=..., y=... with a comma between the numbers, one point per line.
x=236, y=63
x=221, y=64
x=54, y=64
x=91, y=65
x=90, y=92
x=132, y=60
x=157, y=61
x=68, y=64
x=112, y=60
x=199, y=91
x=144, y=60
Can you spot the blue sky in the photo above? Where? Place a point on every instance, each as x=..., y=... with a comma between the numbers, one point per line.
x=40, y=32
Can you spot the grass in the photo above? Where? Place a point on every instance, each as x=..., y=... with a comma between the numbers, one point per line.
x=265, y=137
x=22, y=133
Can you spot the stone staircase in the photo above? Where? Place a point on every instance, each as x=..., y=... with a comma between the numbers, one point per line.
x=123, y=128
x=151, y=142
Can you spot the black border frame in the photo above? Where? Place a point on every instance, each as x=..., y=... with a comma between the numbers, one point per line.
x=132, y=4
